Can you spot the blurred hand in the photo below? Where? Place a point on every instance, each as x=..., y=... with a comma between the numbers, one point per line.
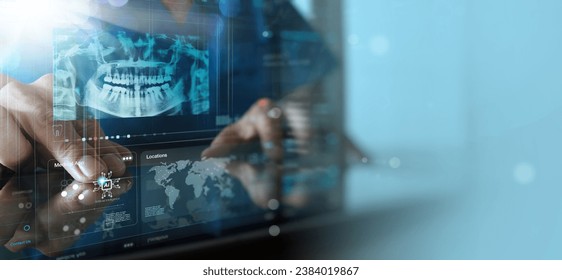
x=263, y=124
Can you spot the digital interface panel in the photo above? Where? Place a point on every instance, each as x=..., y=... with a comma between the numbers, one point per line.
x=140, y=79
x=127, y=75
x=163, y=89
x=179, y=189
x=107, y=209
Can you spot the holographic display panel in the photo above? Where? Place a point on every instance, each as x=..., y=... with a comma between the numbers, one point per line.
x=179, y=189
x=125, y=74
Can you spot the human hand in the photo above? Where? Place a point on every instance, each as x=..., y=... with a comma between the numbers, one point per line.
x=26, y=122
x=263, y=124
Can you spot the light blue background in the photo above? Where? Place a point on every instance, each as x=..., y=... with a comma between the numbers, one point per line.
x=463, y=98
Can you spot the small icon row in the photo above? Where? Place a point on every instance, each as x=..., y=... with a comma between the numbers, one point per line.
x=84, y=139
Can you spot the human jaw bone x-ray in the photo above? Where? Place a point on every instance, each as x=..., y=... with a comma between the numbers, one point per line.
x=127, y=75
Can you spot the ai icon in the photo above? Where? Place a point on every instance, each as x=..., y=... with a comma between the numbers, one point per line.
x=106, y=184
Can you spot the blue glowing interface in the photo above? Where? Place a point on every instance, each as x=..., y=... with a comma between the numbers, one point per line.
x=124, y=74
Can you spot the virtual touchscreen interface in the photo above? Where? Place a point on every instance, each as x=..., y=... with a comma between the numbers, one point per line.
x=144, y=124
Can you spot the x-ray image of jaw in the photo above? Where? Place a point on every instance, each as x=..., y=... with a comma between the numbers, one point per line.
x=127, y=75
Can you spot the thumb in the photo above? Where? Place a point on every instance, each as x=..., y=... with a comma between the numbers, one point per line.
x=83, y=160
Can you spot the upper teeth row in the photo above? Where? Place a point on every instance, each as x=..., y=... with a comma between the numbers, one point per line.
x=140, y=80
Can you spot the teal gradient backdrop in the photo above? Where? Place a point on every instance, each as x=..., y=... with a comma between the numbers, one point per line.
x=459, y=105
